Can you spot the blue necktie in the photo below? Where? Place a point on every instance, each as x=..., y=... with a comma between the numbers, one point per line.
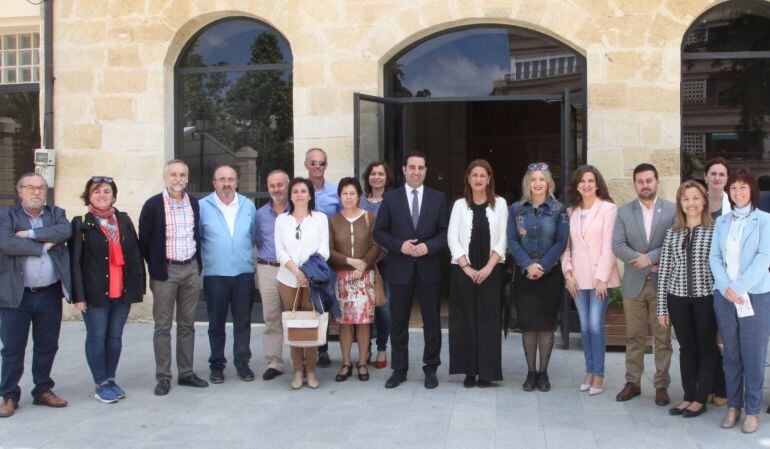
x=415, y=208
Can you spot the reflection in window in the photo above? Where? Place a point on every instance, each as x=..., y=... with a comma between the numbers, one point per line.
x=235, y=88
x=725, y=93
x=484, y=61
x=19, y=136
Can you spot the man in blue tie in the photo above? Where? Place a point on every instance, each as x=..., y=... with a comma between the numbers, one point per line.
x=412, y=226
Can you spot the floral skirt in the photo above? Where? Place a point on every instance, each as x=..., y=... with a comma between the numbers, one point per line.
x=356, y=297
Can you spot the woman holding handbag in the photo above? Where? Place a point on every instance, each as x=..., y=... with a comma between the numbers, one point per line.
x=300, y=233
x=477, y=242
x=353, y=256
x=107, y=277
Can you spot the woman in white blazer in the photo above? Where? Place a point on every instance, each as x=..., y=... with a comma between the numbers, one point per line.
x=477, y=241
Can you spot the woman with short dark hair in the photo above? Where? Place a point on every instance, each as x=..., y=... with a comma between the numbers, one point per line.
x=107, y=277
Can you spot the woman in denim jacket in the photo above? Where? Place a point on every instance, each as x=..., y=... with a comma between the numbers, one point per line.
x=537, y=235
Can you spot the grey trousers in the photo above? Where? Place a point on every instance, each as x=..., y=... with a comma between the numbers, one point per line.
x=181, y=289
x=272, y=337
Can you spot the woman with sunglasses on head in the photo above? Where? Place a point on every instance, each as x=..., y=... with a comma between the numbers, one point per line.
x=353, y=255
x=300, y=233
x=107, y=277
x=590, y=266
x=739, y=259
x=685, y=298
x=538, y=231
x=377, y=179
x=476, y=238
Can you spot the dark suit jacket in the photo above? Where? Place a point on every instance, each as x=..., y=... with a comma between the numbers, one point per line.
x=13, y=249
x=394, y=226
x=152, y=235
x=764, y=201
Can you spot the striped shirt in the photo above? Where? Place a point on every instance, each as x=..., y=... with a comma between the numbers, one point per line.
x=180, y=221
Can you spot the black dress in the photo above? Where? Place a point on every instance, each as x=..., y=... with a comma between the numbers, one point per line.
x=474, y=310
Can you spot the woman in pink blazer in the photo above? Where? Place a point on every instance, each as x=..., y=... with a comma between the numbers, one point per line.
x=590, y=267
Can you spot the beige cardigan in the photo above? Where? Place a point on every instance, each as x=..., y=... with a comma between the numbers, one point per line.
x=340, y=247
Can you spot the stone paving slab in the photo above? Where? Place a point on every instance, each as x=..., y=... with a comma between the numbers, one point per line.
x=356, y=414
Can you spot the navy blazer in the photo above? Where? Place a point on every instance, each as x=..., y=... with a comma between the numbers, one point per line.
x=394, y=226
x=764, y=201
x=56, y=229
x=152, y=235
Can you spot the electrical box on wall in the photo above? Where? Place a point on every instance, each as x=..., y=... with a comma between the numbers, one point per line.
x=45, y=164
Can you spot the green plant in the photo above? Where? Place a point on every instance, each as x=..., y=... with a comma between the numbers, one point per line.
x=616, y=297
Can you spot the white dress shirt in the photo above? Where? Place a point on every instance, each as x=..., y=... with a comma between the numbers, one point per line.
x=229, y=211
x=410, y=197
x=647, y=215
x=313, y=235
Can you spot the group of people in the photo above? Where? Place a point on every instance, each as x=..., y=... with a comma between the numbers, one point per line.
x=699, y=264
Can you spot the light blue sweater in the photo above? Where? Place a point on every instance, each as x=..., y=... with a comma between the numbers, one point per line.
x=222, y=254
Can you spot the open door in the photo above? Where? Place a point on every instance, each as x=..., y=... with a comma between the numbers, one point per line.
x=373, y=140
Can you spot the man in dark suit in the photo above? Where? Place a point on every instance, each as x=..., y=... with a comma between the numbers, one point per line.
x=34, y=275
x=764, y=201
x=412, y=226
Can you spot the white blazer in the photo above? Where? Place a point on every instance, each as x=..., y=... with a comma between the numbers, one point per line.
x=461, y=223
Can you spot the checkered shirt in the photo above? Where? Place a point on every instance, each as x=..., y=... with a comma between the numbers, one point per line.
x=684, y=269
x=180, y=221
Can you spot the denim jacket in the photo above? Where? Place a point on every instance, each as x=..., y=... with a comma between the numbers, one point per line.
x=537, y=235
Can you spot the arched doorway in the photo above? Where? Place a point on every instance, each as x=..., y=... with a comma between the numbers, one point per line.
x=502, y=93
x=233, y=103
x=725, y=93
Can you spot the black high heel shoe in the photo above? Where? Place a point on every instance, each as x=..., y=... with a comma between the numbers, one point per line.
x=343, y=377
x=365, y=375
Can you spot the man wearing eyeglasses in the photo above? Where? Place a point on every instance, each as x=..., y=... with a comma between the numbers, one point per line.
x=169, y=237
x=637, y=240
x=326, y=201
x=34, y=275
x=228, y=236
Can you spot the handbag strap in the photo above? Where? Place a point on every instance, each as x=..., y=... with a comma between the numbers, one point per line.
x=296, y=297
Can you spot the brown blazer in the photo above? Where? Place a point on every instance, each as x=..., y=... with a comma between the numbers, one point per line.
x=340, y=247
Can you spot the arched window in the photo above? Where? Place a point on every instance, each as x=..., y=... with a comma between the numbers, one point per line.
x=234, y=103
x=725, y=91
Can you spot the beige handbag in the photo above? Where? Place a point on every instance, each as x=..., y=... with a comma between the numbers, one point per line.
x=380, y=299
x=304, y=329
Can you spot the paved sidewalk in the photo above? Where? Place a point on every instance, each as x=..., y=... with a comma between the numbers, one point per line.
x=355, y=414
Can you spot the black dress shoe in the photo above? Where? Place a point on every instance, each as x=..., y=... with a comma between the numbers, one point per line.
x=323, y=360
x=530, y=382
x=542, y=382
x=395, y=379
x=270, y=374
x=192, y=380
x=484, y=383
x=431, y=381
x=469, y=382
x=365, y=375
x=687, y=413
x=161, y=389
x=217, y=376
x=245, y=373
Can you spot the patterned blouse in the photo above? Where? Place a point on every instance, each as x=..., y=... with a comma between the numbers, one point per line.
x=684, y=265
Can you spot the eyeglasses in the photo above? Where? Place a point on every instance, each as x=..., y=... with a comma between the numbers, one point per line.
x=317, y=163
x=226, y=180
x=298, y=232
x=34, y=188
x=542, y=166
x=106, y=179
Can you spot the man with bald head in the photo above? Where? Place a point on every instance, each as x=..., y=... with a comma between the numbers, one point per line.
x=228, y=237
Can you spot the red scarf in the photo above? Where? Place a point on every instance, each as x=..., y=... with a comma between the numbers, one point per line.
x=108, y=223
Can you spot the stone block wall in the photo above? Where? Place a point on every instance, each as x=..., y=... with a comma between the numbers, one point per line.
x=114, y=64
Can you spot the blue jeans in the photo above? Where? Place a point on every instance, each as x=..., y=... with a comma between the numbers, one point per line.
x=745, y=350
x=235, y=293
x=43, y=311
x=591, y=311
x=104, y=339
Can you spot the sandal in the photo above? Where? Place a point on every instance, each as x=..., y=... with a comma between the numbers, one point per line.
x=365, y=375
x=341, y=377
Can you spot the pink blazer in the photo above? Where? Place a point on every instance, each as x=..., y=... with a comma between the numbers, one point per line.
x=589, y=252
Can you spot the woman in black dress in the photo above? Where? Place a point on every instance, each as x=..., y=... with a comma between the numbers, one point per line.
x=538, y=230
x=476, y=238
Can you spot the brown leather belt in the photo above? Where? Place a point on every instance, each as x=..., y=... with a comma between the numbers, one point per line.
x=266, y=262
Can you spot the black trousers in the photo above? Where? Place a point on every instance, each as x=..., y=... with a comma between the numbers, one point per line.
x=401, y=308
x=696, y=330
x=474, y=325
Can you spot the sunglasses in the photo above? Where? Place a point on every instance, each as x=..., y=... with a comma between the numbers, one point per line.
x=317, y=163
x=106, y=179
x=298, y=232
x=542, y=166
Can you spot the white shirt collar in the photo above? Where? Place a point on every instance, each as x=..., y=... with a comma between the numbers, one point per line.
x=419, y=189
x=220, y=203
x=651, y=207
